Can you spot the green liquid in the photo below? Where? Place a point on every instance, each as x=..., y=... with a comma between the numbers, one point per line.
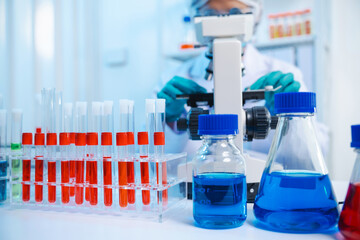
x=16, y=170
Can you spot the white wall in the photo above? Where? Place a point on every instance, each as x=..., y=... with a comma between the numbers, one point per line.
x=343, y=84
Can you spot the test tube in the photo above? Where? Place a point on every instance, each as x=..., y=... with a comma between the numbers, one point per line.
x=51, y=142
x=26, y=165
x=67, y=149
x=131, y=153
x=16, y=133
x=106, y=142
x=159, y=144
x=122, y=151
x=121, y=143
x=65, y=166
x=143, y=142
x=39, y=165
x=150, y=122
x=3, y=162
x=92, y=139
x=80, y=143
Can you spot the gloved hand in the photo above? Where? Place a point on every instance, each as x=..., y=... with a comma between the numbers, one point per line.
x=177, y=86
x=276, y=79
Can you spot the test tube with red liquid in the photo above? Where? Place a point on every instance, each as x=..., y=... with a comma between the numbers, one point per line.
x=121, y=143
x=131, y=153
x=159, y=144
x=67, y=148
x=106, y=143
x=39, y=165
x=65, y=166
x=80, y=143
x=26, y=165
x=91, y=192
x=349, y=223
x=51, y=142
x=143, y=142
x=122, y=151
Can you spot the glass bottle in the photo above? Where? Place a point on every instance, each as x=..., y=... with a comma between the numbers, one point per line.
x=219, y=182
x=295, y=193
x=349, y=223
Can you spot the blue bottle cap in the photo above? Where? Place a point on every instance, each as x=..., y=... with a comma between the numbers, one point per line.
x=355, y=134
x=187, y=19
x=295, y=102
x=218, y=124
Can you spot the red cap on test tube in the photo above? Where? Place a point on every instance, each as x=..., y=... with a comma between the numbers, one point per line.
x=51, y=139
x=143, y=138
x=130, y=138
x=121, y=139
x=27, y=139
x=72, y=137
x=92, y=139
x=39, y=139
x=80, y=139
x=159, y=138
x=106, y=138
x=64, y=139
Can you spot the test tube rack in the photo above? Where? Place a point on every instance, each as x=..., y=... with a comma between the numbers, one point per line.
x=167, y=186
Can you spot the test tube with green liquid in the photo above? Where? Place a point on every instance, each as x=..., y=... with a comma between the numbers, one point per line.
x=15, y=147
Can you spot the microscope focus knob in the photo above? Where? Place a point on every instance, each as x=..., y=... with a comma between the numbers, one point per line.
x=257, y=123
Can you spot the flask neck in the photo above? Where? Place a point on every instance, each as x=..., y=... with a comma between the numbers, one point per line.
x=355, y=176
x=309, y=115
x=214, y=138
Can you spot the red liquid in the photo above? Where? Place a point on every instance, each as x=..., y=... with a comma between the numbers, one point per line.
x=164, y=182
x=51, y=179
x=131, y=180
x=123, y=195
x=65, y=179
x=72, y=177
x=79, y=178
x=93, y=176
x=349, y=223
x=26, y=177
x=87, y=177
x=39, y=174
x=107, y=181
x=145, y=179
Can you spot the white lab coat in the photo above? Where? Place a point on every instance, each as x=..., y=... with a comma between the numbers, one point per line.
x=256, y=66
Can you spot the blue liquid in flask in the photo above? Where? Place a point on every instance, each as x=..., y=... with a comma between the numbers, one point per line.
x=296, y=202
x=219, y=200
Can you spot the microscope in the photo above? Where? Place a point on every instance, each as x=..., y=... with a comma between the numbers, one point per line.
x=224, y=34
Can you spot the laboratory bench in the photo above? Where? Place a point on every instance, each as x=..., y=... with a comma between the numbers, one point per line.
x=50, y=225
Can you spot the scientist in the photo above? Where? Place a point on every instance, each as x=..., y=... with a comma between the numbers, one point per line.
x=261, y=71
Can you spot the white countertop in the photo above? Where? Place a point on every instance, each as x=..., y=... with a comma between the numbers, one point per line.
x=28, y=224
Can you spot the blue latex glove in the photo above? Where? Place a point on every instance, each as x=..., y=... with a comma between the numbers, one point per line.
x=177, y=86
x=276, y=79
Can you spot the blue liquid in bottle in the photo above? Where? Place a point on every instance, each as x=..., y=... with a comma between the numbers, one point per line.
x=296, y=202
x=219, y=200
x=3, y=181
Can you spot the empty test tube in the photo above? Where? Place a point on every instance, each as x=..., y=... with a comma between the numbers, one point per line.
x=80, y=143
x=143, y=142
x=16, y=134
x=39, y=165
x=26, y=165
x=150, y=122
x=106, y=142
x=3, y=161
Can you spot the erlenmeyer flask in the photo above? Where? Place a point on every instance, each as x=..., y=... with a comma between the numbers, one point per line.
x=295, y=193
x=349, y=223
